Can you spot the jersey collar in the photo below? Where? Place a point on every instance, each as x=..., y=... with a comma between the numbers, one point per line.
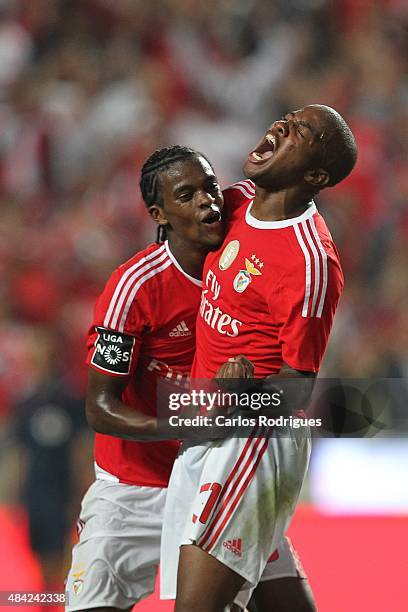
x=307, y=214
x=176, y=263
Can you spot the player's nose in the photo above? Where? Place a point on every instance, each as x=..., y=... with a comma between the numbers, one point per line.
x=205, y=199
x=280, y=128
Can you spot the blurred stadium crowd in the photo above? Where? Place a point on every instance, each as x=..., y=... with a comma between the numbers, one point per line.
x=89, y=88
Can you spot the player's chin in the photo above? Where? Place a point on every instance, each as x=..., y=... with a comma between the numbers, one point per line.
x=252, y=171
x=213, y=236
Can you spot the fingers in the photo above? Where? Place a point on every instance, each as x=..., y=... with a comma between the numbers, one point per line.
x=247, y=368
x=237, y=368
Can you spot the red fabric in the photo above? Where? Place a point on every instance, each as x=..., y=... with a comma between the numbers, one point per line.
x=258, y=304
x=158, y=305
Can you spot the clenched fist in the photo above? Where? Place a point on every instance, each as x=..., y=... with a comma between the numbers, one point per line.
x=231, y=374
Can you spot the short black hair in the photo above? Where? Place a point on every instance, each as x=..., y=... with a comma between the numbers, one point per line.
x=161, y=160
x=339, y=154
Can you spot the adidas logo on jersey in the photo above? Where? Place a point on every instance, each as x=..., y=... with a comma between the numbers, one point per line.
x=234, y=546
x=181, y=329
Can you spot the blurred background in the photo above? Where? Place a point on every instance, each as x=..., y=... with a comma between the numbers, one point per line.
x=88, y=89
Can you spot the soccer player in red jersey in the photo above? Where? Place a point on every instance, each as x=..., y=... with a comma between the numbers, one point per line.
x=143, y=331
x=270, y=292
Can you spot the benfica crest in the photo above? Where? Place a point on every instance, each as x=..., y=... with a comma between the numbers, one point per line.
x=241, y=281
x=244, y=277
x=77, y=586
x=78, y=583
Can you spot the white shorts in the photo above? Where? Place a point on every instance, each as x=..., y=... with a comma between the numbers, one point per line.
x=283, y=563
x=233, y=498
x=116, y=559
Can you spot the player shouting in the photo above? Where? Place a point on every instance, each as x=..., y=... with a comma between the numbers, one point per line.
x=144, y=330
x=278, y=277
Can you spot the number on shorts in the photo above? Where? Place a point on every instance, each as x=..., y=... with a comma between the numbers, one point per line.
x=215, y=490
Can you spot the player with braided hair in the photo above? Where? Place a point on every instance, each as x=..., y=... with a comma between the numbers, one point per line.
x=156, y=168
x=131, y=345
x=150, y=176
x=161, y=159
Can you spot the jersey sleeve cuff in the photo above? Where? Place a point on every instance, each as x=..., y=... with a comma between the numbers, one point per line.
x=101, y=370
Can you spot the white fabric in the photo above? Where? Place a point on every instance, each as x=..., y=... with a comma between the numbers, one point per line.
x=286, y=565
x=258, y=489
x=116, y=559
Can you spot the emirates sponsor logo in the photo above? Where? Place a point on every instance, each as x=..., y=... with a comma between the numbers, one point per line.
x=235, y=546
x=213, y=315
x=217, y=319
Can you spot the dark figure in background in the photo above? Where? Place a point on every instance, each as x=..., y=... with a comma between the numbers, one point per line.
x=50, y=427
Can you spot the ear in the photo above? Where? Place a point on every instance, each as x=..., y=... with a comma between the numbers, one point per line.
x=317, y=178
x=158, y=215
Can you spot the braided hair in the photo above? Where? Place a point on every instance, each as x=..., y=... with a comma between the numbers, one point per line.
x=150, y=185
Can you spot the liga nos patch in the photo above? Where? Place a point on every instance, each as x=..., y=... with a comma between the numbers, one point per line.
x=113, y=351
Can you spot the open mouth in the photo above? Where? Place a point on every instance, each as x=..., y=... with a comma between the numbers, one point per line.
x=265, y=150
x=212, y=217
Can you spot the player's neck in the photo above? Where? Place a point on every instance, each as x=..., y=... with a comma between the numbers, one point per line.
x=189, y=259
x=279, y=205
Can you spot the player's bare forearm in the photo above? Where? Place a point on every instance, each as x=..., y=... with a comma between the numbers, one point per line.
x=288, y=372
x=241, y=367
x=107, y=414
x=296, y=395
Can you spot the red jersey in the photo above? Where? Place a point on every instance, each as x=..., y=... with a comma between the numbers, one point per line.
x=144, y=328
x=270, y=292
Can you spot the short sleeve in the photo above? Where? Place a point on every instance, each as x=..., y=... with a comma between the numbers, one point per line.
x=305, y=317
x=116, y=334
x=237, y=195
